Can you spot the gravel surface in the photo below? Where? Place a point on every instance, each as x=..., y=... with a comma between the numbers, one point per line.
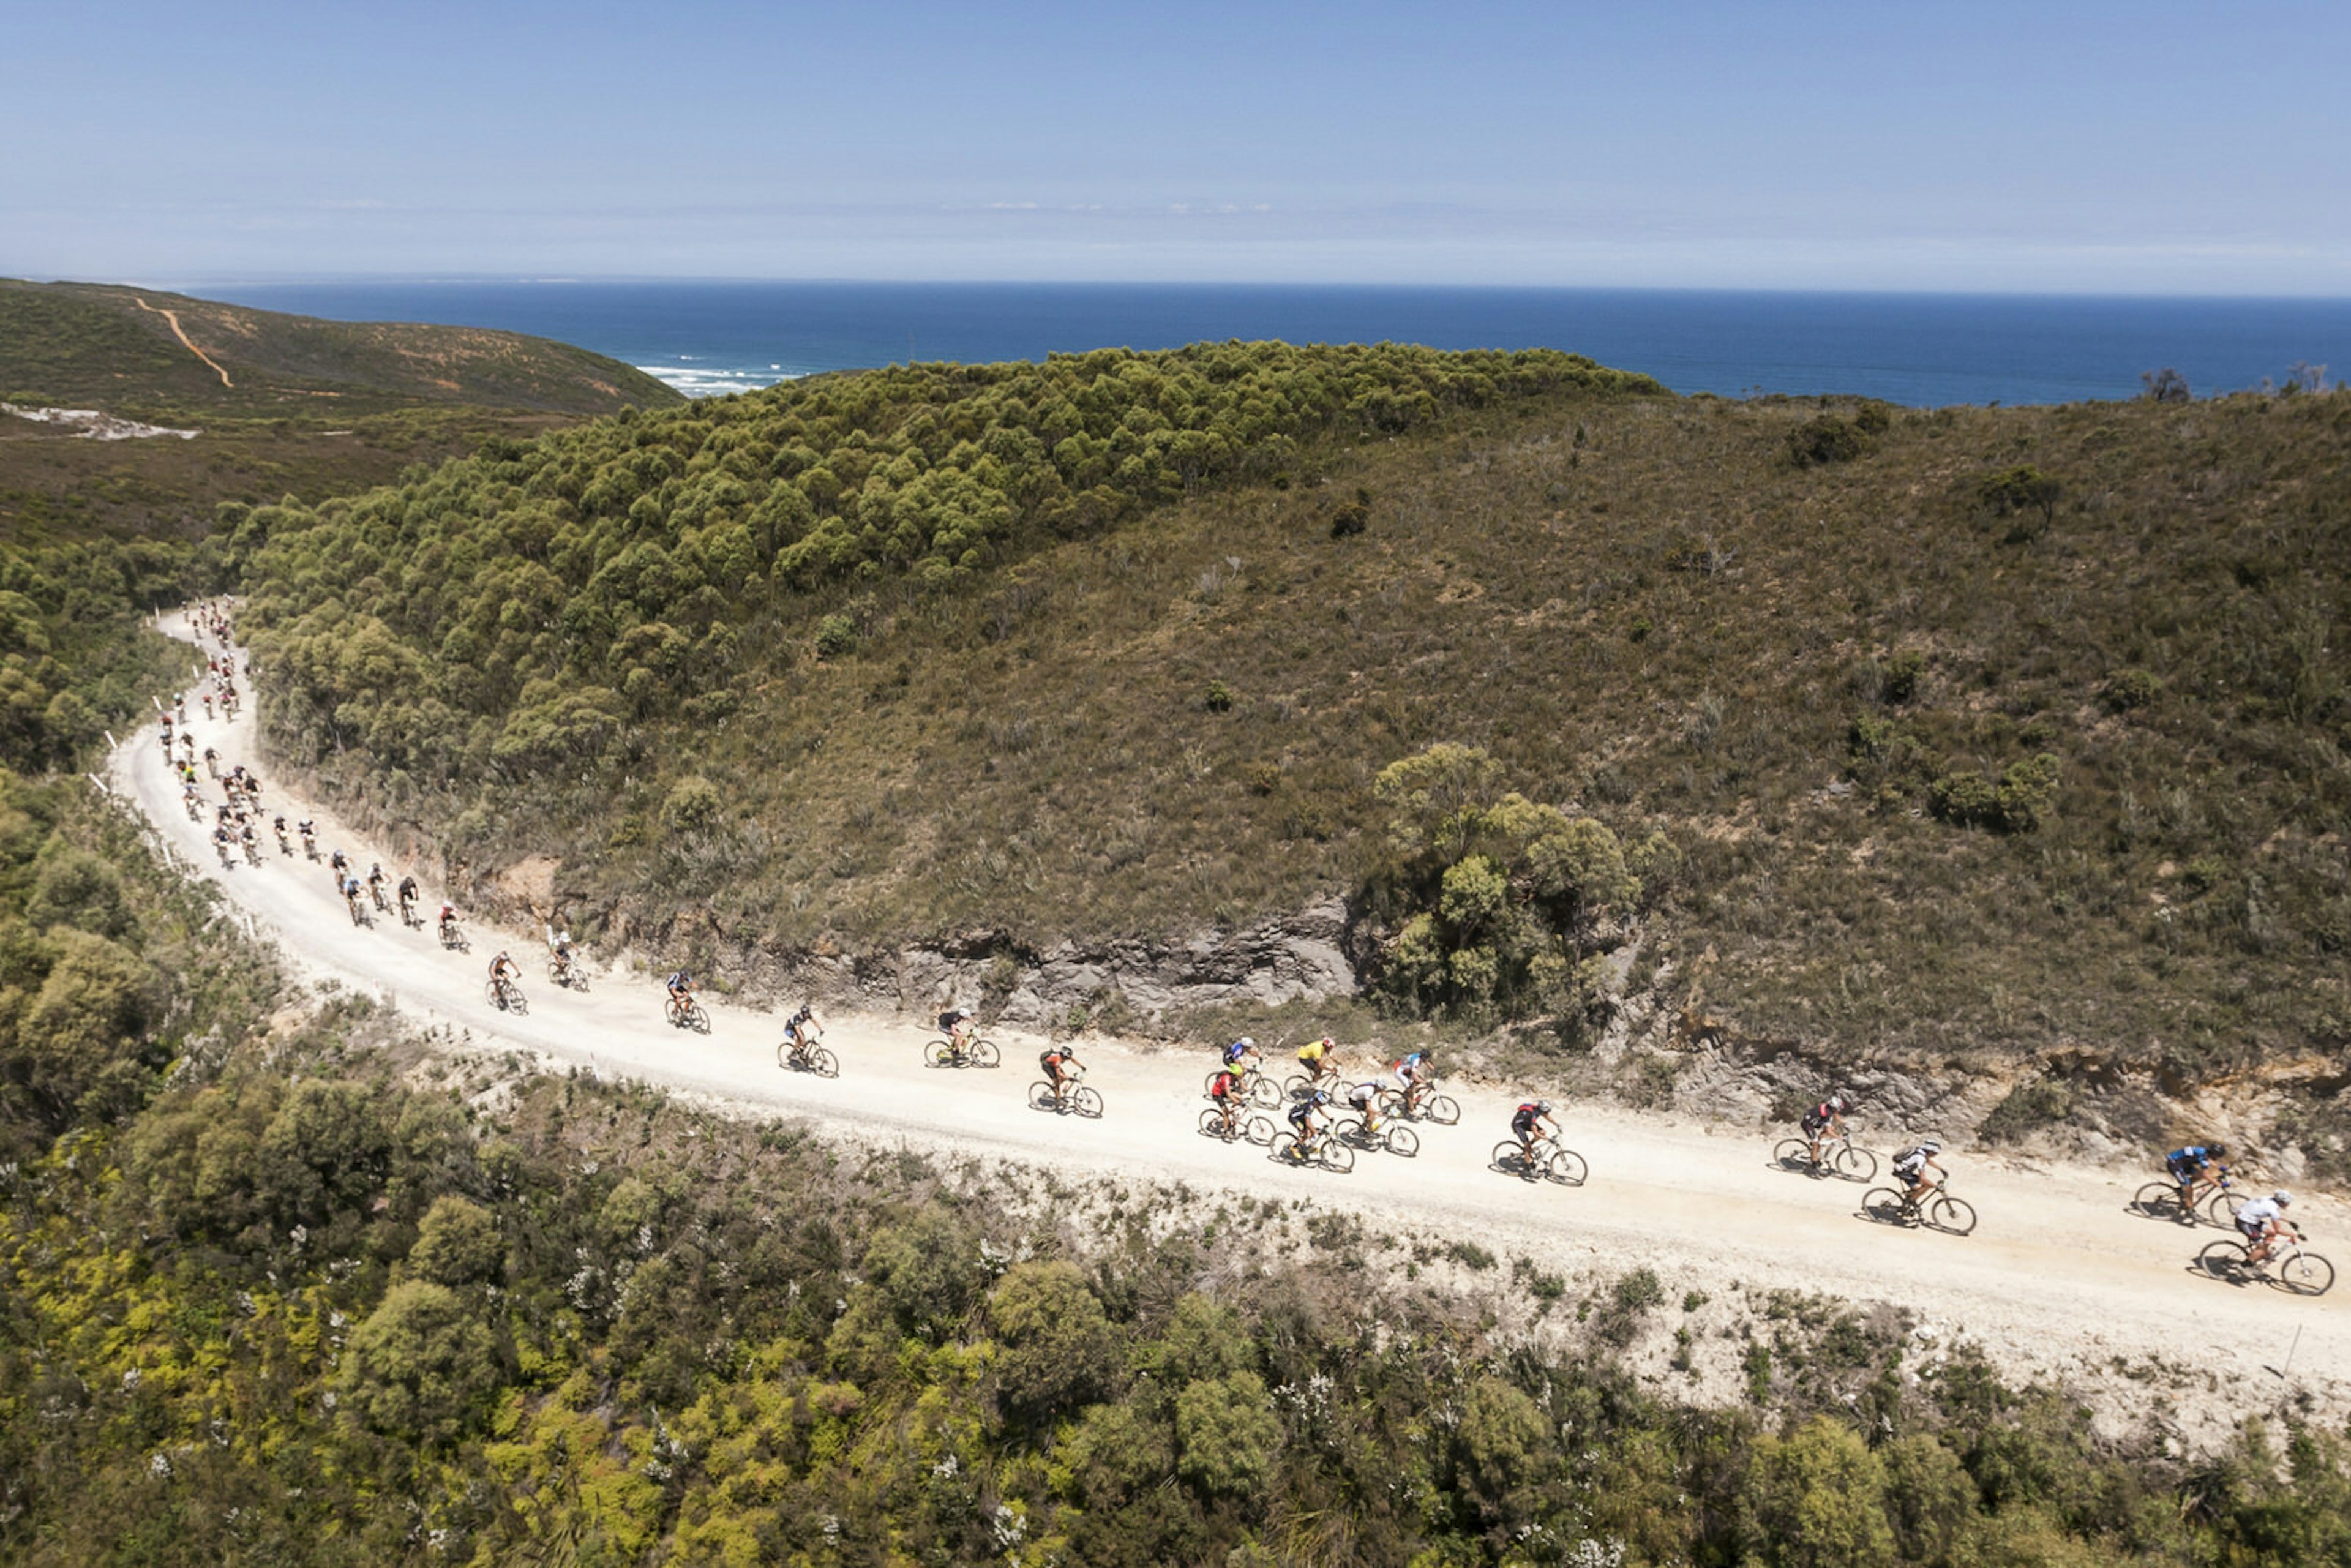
x=2059, y=1280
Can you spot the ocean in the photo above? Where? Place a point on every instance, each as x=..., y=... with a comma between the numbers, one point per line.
x=1919, y=350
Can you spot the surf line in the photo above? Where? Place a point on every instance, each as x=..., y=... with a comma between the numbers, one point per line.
x=173, y=317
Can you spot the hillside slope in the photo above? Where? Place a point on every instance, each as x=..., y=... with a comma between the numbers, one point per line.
x=1971, y=739
x=247, y=406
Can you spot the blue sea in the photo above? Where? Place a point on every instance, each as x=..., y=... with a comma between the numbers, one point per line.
x=1921, y=349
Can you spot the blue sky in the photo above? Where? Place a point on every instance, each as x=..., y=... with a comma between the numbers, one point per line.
x=2148, y=147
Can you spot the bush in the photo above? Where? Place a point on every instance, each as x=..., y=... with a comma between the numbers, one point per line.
x=1227, y=1435
x=1814, y=1499
x=1826, y=439
x=836, y=637
x=456, y=1244
x=420, y=1364
x=2023, y=489
x=2027, y=1108
x=2131, y=688
x=2019, y=802
x=1903, y=672
x=1059, y=1349
x=692, y=802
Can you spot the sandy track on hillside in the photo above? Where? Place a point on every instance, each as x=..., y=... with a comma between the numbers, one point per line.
x=2059, y=1280
x=173, y=318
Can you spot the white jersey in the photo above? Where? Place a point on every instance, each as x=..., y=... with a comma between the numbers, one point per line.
x=2261, y=1211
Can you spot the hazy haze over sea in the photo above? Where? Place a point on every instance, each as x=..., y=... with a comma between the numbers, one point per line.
x=707, y=338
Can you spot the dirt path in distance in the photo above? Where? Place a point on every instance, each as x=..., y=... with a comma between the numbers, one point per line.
x=172, y=317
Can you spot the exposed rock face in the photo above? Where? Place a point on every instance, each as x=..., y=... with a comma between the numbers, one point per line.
x=1301, y=956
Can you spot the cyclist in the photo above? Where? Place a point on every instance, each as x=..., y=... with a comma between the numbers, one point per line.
x=1527, y=1124
x=503, y=973
x=1912, y=1165
x=1823, y=1122
x=957, y=1023
x=192, y=799
x=375, y=881
x=448, y=923
x=1365, y=1099
x=221, y=844
x=350, y=885
x=285, y=845
x=212, y=762
x=244, y=836
x=1412, y=1074
x=1225, y=1093
x=407, y=898
x=2195, y=1164
x=1316, y=1058
x=208, y=704
x=1061, y=1066
x=802, y=1030
x=1241, y=1055
x=340, y=864
x=2261, y=1222
x=681, y=991
x=1307, y=1118
x=309, y=837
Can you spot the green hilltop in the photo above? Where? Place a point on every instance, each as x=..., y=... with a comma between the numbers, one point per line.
x=1969, y=736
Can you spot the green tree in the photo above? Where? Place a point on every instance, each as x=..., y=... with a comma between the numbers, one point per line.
x=1058, y=1349
x=1227, y=1435
x=456, y=1244
x=421, y=1364
x=1815, y=1498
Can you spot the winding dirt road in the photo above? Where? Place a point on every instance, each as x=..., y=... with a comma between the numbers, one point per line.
x=2059, y=1280
x=172, y=319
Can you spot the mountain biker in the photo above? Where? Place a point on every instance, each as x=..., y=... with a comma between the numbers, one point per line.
x=375, y=881
x=1526, y=1123
x=1414, y=1073
x=1242, y=1052
x=208, y=704
x=1061, y=1066
x=407, y=892
x=2262, y=1221
x=1365, y=1099
x=350, y=885
x=957, y=1023
x=449, y=922
x=681, y=991
x=1912, y=1165
x=340, y=864
x=212, y=762
x=1225, y=1093
x=309, y=837
x=802, y=1030
x=503, y=972
x=1822, y=1122
x=1315, y=1057
x=558, y=947
x=1307, y=1118
x=2196, y=1162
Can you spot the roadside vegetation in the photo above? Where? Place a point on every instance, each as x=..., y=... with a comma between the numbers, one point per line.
x=1953, y=735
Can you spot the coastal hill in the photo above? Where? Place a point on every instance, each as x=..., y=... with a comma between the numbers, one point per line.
x=2000, y=744
x=205, y=402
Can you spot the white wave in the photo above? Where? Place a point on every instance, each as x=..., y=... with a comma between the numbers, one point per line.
x=699, y=380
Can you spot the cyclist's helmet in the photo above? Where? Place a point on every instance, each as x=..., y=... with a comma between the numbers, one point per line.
x=1322, y=1097
x=1930, y=1147
x=1543, y=1107
x=2218, y=1151
x=2281, y=1198
x=1837, y=1104
x=1246, y=1044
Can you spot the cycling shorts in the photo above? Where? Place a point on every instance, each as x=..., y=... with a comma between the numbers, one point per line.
x=2252, y=1229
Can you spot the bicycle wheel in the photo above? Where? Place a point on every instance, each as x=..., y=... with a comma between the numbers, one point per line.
x=784, y=1056
x=698, y=1019
x=983, y=1053
x=1401, y=1140
x=2306, y=1274
x=1285, y=1147
x=1212, y=1125
x=1441, y=1109
x=1951, y=1216
x=1509, y=1159
x=1086, y=1102
x=515, y=1002
x=2221, y=1206
x=1567, y=1167
x=1258, y=1130
x=1792, y=1154
x=1263, y=1093
x=938, y=1053
x=1296, y=1085
x=1041, y=1098
x=2223, y=1261
x=1852, y=1164
x=1336, y=1156
x=822, y=1062
x=2160, y=1200
x=490, y=994
x=1883, y=1204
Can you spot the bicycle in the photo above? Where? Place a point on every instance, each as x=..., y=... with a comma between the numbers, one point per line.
x=1322, y=1149
x=2302, y=1273
x=382, y=905
x=1215, y=1124
x=505, y=995
x=795, y=1056
x=1838, y=1158
x=1544, y=1160
x=685, y=1012
x=2211, y=1201
x=973, y=1053
x=453, y=939
x=1071, y=1096
x=1393, y=1137
x=1422, y=1104
x=569, y=976
x=252, y=852
x=408, y=915
x=1257, y=1088
x=359, y=911
x=285, y=845
x=1298, y=1085
x=310, y=846
x=1938, y=1211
